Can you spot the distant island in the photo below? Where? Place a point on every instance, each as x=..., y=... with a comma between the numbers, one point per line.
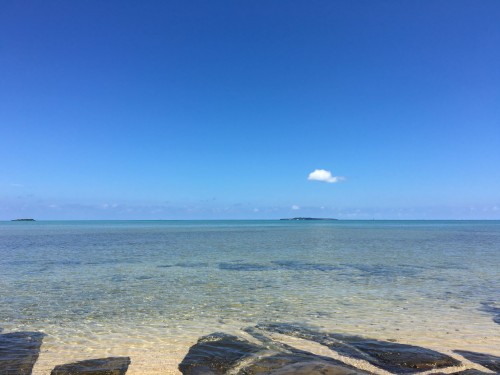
x=23, y=220
x=308, y=218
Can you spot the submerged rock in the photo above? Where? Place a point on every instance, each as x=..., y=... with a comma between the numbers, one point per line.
x=298, y=364
x=390, y=356
x=101, y=366
x=220, y=353
x=19, y=352
x=216, y=354
x=464, y=372
x=489, y=361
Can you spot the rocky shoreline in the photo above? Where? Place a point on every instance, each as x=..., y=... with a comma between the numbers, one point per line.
x=262, y=353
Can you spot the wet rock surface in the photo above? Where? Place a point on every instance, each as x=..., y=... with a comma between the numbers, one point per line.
x=465, y=372
x=19, y=352
x=216, y=354
x=299, y=364
x=489, y=361
x=390, y=356
x=220, y=353
x=101, y=366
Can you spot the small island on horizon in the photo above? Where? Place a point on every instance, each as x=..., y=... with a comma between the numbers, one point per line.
x=28, y=219
x=308, y=218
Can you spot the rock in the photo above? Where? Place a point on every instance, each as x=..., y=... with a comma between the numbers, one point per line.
x=216, y=353
x=298, y=364
x=19, y=352
x=293, y=360
x=489, y=361
x=220, y=353
x=101, y=366
x=390, y=356
x=464, y=372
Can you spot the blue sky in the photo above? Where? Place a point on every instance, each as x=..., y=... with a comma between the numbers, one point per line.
x=222, y=109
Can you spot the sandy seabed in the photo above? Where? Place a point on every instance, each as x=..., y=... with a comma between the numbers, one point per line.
x=159, y=350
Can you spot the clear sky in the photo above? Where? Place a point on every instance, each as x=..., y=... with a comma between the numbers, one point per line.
x=240, y=109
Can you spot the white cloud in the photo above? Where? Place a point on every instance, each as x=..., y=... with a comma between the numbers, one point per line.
x=324, y=176
x=295, y=207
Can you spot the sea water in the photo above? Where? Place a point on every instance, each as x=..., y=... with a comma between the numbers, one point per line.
x=150, y=289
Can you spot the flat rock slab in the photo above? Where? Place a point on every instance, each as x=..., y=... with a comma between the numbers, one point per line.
x=465, y=372
x=298, y=364
x=489, y=361
x=19, y=352
x=220, y=353
x=390, y=356
x=101, y=366
x=216, y=353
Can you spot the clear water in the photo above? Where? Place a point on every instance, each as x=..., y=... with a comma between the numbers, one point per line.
x=149, y=289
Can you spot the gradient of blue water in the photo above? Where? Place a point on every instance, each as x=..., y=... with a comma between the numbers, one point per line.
x=348, y=275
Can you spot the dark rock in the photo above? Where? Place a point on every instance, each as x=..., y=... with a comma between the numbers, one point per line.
x=299, y=364
x=216, y=354
x=464, y=372
x=487, y=360
x=390, y=356
x=19, y=352
x=101, y=366
x=220, y=353
x=292, y=360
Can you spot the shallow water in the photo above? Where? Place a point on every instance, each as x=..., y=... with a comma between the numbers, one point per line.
x=149, y=289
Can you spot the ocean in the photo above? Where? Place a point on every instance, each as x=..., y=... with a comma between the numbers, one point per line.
x=150, y=289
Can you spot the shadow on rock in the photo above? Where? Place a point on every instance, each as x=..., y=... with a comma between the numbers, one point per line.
x=101, y=366
x=298, y=364
x=19, y=352
x=489, y=361
x=220, y=353
x=390, y=356
x=216, y=354
x=465, y=372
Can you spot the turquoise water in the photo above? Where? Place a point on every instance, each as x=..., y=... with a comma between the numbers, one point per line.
x=149, y=289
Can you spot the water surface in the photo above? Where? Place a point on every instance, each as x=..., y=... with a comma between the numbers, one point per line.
x=149, y=289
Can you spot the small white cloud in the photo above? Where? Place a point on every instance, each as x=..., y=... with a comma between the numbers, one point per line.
x=295, y=207
x=324, y=176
